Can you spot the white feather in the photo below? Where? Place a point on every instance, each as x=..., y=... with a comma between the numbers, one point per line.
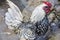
x=13, y=17
x=38, y=14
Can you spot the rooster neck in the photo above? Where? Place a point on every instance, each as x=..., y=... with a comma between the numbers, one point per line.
x=38, y=13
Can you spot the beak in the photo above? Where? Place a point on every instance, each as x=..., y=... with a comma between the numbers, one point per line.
x=51, y=8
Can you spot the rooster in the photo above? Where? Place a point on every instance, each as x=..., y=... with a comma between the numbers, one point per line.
x=39, y=17
x=14, y=20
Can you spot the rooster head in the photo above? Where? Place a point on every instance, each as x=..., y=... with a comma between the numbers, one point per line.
x=48, y=7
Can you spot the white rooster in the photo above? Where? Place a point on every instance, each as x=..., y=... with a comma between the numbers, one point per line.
x=14, y=18
x=40, y=19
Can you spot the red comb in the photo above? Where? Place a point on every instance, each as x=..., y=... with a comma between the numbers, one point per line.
x=48, y=4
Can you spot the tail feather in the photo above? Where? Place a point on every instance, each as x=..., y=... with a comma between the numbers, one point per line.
x=14, y=7
x=13, y=17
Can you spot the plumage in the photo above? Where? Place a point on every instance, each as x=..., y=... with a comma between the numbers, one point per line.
x=40, y=38
x=39, y=12
x=27, y=31
x=42, y=27
x=13, y=17
x=40, y=18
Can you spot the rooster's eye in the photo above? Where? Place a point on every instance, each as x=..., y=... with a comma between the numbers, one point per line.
x=46, y=7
